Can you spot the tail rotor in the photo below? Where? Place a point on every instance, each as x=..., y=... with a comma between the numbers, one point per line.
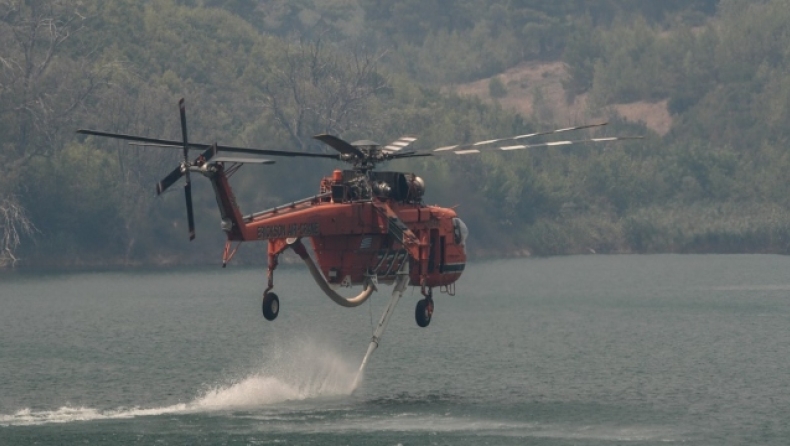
x=183, y=170
x=206, y=163
x=188, y=184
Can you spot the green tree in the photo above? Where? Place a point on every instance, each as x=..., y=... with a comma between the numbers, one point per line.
x=42, y=90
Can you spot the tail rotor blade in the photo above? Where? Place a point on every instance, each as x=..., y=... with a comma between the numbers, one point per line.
x=179, y=171
x=183, y=111
x=185, y=166
x=168, y=181
x=190, y=214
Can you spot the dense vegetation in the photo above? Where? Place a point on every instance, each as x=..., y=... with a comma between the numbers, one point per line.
x=271, y=74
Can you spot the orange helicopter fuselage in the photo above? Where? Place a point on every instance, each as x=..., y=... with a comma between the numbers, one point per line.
x=355, y=238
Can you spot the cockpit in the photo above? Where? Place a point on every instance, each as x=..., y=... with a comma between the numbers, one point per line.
x=460, y=232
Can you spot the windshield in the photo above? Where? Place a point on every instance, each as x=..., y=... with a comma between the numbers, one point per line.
x=460, y=231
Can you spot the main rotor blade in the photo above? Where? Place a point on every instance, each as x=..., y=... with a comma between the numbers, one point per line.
x=190, y=215
x=409, y=154
x=399, y=143
x=516, y=138
x=242, y=160
x=465, y=151
x=339, y=145
x=179, y=144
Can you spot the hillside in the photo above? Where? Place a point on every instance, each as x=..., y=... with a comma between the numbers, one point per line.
x=705, y=81
x=536, y=89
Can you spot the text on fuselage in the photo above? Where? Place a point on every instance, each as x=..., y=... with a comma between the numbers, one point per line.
x=285, y=231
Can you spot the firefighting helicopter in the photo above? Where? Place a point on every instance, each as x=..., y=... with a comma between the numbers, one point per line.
x=366, y=227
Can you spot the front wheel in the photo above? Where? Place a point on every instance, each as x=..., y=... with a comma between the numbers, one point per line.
x=423, y=312
x=270, y=306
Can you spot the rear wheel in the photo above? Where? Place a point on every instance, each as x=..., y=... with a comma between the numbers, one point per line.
x=423, y=312
x=270, y=306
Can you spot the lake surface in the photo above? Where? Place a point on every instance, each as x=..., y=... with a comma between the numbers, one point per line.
x=589, y=350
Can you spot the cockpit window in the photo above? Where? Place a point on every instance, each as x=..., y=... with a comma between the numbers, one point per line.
x=460, y=232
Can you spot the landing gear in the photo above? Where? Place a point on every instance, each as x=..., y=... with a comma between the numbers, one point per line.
x=270, y=306
x=271, y=303
x=424, y=309
x=423, y=312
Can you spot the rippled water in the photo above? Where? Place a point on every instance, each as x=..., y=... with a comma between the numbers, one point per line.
x=569, y=350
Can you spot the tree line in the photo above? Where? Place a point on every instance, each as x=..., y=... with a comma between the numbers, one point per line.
x=272, y=74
